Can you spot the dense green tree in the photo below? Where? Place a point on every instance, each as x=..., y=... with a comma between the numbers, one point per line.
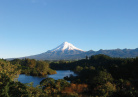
x=33, y=67
x=49, y=85
x=102, y=77
x=106, y=89
x=79, y=68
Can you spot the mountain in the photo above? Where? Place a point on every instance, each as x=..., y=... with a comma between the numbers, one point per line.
x=66, y=46
x=67, y=51
x=123, y=53
x=64, y=51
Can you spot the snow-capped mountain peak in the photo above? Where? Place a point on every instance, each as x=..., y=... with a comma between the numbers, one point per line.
x=66, y=46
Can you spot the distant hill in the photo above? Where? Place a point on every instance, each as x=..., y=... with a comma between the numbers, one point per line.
x=123, y=53
x=67, y=51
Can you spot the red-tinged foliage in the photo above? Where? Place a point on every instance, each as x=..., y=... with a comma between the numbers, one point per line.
x=76, y=88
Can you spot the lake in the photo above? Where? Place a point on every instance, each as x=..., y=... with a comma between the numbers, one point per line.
x=23, y=78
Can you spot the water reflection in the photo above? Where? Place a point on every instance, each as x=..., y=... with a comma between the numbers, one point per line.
x=61, y=74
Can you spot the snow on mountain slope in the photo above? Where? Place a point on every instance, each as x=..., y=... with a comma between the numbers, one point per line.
x=65, y=46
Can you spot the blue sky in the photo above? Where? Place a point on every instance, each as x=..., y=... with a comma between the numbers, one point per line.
x=29, y=27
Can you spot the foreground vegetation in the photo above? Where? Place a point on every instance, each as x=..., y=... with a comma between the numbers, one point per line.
x=98, y=75
x=104, y=75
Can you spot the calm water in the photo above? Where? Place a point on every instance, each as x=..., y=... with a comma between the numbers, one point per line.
x=36, y=80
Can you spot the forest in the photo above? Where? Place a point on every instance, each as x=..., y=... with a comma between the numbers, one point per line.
x=97, y=76
x=33, y=67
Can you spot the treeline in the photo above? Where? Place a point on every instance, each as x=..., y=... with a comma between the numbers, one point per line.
x=10, y=87
x=97, y=76
x=119, y=67
x=47, y=88
x=33, y=67
x=11, y=71
x=104, y=75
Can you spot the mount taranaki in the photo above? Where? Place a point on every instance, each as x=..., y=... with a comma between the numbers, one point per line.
x=67, y=51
